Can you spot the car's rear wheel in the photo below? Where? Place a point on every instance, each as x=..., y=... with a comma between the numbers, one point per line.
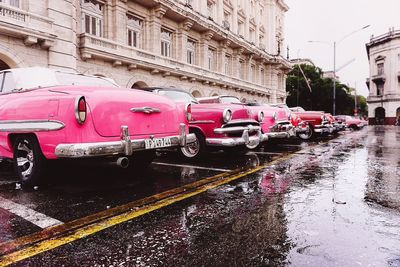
x=306, y=135
x=29, y=162
x=196, y=149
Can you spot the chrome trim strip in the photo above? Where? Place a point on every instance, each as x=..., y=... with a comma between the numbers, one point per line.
x=20, y=126
x=146, y=110
x=201, y=122
x=238, y=121
x=237, y=129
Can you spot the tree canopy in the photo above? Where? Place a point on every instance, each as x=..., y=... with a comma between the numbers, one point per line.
x=321, y=95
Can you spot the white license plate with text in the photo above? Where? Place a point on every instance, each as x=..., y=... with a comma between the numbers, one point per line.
x=157, y=143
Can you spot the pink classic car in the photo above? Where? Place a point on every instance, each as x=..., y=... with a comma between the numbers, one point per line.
x=47, y=114
x=350, y=122
x=226, y=126
x=317, y=120
x=274, y=121
x=299, y=125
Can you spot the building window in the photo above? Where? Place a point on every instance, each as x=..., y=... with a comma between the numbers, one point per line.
x=240, y=29
x=166, y=43
x=380, y=68
x=14, y=3
x=92, y=14
x=228, y=64
x=241, y=69
x=252, y=35
x=210, y=9
x=262, y=77
x=135, y=30
x=211, y=59
x=379, y=89
x=252, y=73
x=190, y=51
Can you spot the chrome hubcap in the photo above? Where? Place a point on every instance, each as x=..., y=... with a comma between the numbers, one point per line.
x=191, y=150
x=25, y=159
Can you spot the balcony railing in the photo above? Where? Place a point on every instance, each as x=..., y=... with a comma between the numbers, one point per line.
x=97, y=47
x=18, y=22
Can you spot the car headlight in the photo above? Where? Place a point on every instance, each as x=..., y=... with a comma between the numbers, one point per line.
x=275, y=116
x=226, y=115
x=260, y=116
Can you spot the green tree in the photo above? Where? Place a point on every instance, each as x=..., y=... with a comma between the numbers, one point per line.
x=320, y=97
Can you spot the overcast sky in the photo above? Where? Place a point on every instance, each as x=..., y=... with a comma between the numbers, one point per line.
x=329, y=21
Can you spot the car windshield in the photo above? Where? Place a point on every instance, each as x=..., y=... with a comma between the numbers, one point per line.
x=178, y=96
x=78, y=79
x=230, y=100
x=31, y=78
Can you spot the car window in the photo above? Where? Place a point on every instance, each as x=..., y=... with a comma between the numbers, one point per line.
x=178, y=96
x=1, y=81
x=77, y=79
x=229, y=100
x=8, y=82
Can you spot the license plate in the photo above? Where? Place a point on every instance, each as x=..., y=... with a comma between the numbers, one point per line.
x=157, y=143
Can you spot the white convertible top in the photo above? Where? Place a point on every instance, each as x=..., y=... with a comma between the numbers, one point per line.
x=38, y=77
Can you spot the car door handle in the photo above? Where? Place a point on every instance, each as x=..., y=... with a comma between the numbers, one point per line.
x=146, y=110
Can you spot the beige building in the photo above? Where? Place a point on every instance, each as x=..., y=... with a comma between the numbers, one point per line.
x=384, y=79
x=207, y=47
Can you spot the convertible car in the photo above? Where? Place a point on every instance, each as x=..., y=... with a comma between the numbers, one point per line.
x=219, y=125
x=47, y=114
x=318, y=122
x=274, y=121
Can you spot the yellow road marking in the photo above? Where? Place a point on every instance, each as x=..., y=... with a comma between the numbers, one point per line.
x=70, y=235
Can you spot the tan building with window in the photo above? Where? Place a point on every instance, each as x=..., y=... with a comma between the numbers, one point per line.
x=384, y=80
x=207, y=47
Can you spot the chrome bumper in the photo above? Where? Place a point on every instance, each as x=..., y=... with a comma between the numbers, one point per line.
x=285, y=131
x=323, y=128
x=245, y=139
x=125, y=146
x=301, y=129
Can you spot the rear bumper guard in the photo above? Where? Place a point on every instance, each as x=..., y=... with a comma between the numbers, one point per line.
x=125, y=146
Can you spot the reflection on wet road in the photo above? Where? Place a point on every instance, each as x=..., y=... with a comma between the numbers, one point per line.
x=331, y=202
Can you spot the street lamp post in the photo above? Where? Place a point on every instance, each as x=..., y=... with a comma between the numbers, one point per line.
x=334, y=44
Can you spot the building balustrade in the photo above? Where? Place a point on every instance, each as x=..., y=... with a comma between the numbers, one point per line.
x=17, y=22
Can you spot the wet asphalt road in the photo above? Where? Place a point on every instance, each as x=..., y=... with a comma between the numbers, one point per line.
x=331, y=202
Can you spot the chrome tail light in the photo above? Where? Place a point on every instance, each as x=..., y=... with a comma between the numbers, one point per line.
x=80, y=109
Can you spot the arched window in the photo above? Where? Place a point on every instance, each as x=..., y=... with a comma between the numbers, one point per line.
x=139, y=84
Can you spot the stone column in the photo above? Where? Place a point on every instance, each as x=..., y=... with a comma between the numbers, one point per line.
x=220, y=11
x=153, y=29
x=236, y=62
x=117, y=27
x=221, y=56
x=63, y=52
x=234, y=26
x=181, y=39
x=203, y=49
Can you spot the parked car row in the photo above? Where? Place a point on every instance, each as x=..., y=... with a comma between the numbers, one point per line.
x=47, y=115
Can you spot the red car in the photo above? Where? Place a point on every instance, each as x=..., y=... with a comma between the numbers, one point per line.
x=47, y=114
x=217, y=125
x=274, y=120
x=317, y=120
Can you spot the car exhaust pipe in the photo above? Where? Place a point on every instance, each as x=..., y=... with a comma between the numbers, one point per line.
x=122, y=162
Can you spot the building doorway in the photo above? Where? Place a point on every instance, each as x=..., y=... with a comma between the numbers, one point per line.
x=3, y=65
x=380, y=115
x=139, y=84
x=196, y=93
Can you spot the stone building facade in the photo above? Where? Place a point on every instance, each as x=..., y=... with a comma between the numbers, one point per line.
x=384, y=79
x=207, y=47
